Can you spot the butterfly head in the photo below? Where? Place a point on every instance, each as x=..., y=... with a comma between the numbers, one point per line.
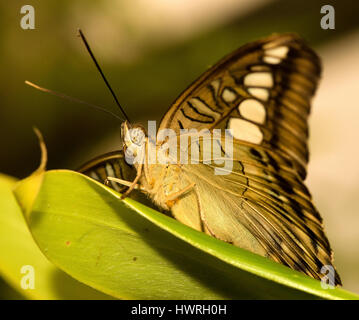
x=133, y=138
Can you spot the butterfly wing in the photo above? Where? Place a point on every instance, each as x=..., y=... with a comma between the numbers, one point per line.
x=256, y=207
x=262, y=92
x=111, y=164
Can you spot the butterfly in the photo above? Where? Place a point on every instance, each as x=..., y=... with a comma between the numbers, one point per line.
x=262, y=93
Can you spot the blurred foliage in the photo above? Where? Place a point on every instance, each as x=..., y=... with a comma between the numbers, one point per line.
x=54, y=57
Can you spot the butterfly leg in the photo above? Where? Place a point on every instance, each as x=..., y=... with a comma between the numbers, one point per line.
x=138, y=176
x=134, y=183
x=171, y=198
x=122, y=182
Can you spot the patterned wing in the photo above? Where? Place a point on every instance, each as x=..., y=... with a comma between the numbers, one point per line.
x=270, y=202
x=262, y=92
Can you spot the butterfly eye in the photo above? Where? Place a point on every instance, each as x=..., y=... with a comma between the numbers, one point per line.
x=137, y=136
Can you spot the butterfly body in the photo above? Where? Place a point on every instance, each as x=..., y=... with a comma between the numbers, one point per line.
x=191, y=197
x=262, y=93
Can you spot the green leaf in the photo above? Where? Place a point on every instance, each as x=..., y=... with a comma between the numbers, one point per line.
x=18, y=249
x=130, y=251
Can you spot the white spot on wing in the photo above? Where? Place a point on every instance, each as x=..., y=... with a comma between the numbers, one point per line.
x=245, y=130
x=253, y=110
x=228, y=95
x=272, y=60
x=259, y=79
x=275, y=55
x=279, y=52
x=260, y=93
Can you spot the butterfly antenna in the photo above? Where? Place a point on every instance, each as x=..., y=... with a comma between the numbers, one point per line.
x=64, y=96
x=102, y=74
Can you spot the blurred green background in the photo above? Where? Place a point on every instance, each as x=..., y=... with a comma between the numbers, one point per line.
x=150, y=51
